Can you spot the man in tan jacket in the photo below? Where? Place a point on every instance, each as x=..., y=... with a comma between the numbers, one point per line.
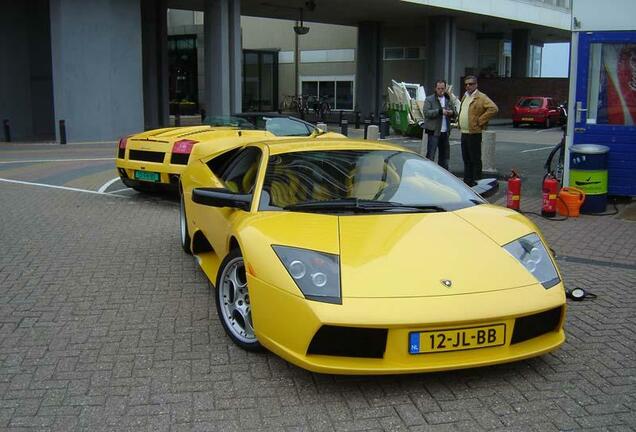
x=474, y=114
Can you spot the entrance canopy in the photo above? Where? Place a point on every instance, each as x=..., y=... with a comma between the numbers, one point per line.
x=547, y=24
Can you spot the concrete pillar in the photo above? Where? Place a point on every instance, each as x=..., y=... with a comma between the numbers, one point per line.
x=442, y=41
x=488, y=141
x=97, y=70
x=236, y=57
x=369, y=69
x=26, y=88
x=216, y=30
x=154, y=37
x=520, y=53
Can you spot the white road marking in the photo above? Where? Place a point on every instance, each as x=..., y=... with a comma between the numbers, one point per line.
x=121, y=190
x=107, y=185
x=537, y=149
x=57, y=187
x=552, y=129
x=54, y=160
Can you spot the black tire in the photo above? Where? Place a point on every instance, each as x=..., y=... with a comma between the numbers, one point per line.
x=184, y=235
x=515, y=124
x=233, y=304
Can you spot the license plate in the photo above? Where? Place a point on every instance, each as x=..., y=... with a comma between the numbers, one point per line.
x=147, y=176
x=434, y=341
x=527, y=119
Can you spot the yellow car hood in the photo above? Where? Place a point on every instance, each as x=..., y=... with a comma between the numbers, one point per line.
x=396, y=255
x=410, y=255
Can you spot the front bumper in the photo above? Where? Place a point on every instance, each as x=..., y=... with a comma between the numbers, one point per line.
x=286, y=324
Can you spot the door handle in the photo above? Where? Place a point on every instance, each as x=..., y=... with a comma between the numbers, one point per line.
x=579, y=110
x=579, y=129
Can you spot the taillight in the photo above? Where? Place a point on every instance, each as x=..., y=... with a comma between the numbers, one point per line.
x=183, y=146
x=123, y=141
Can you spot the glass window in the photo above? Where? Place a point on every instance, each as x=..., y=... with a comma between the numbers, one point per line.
x=344, y=95
x=377, y=175
x=393, y=53
x=531, y=103
x=240, y=174
x=327, y=91
x=283, y=126
x=310, y=88
x=412, y=53
x=612, y=84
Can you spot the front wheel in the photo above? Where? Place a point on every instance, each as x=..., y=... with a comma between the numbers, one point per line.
x=183, y=228
x=233, y=302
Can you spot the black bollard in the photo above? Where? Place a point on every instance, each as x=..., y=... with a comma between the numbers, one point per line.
x=62, y=132
x=202, y=115
x=344, y=126
x=382, y=128
x=367, y=123
x=7, y=130
x=357, y=120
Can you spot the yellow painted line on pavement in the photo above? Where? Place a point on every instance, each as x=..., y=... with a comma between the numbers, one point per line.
x=57, y=187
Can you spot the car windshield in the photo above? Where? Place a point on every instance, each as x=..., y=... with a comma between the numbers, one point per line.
x=227, y=121
x=336, y=181
x=531, y=103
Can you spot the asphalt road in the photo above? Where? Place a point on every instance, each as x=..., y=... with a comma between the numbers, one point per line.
x=106, y=325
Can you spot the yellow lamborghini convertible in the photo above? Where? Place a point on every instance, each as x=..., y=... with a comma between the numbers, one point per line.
x=154, y=159
x=355, y=257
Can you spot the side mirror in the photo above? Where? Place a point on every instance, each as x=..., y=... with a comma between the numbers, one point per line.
x=219, y=197
x=486, y=187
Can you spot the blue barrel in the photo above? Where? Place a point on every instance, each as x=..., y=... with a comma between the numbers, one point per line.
x=588, y=172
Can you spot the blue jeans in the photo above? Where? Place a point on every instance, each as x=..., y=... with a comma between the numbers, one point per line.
x=438, y=142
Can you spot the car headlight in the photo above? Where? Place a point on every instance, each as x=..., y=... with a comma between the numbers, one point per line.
x=317, y=274
x=532, y=254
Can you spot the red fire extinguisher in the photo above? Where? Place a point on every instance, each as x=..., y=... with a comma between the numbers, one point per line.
x=513, y=197
x=550, y=191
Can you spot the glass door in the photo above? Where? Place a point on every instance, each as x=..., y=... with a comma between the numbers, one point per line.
x=605, y=103
x=260, y=80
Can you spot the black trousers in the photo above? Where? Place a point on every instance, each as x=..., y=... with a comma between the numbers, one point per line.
x=438, y=142
x=471, y=153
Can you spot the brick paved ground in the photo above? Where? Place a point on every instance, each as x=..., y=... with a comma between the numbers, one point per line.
x=106, y=325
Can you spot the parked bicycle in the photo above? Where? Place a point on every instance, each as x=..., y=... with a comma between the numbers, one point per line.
x=320, y=105
x=556, y=167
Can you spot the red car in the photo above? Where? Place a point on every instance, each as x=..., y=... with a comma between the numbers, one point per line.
x=536, y=110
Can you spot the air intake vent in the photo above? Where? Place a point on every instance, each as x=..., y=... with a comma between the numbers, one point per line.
x=179, y=158
x=349, y=342
x=146, y=156
x=531, y=326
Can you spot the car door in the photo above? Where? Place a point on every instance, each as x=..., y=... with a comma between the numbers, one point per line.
x=238, y=175
x=553, y=112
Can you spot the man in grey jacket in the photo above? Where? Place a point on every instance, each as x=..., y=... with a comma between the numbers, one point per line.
x=438, y=112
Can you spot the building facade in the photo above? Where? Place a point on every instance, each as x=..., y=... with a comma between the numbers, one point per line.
x=112, y=67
